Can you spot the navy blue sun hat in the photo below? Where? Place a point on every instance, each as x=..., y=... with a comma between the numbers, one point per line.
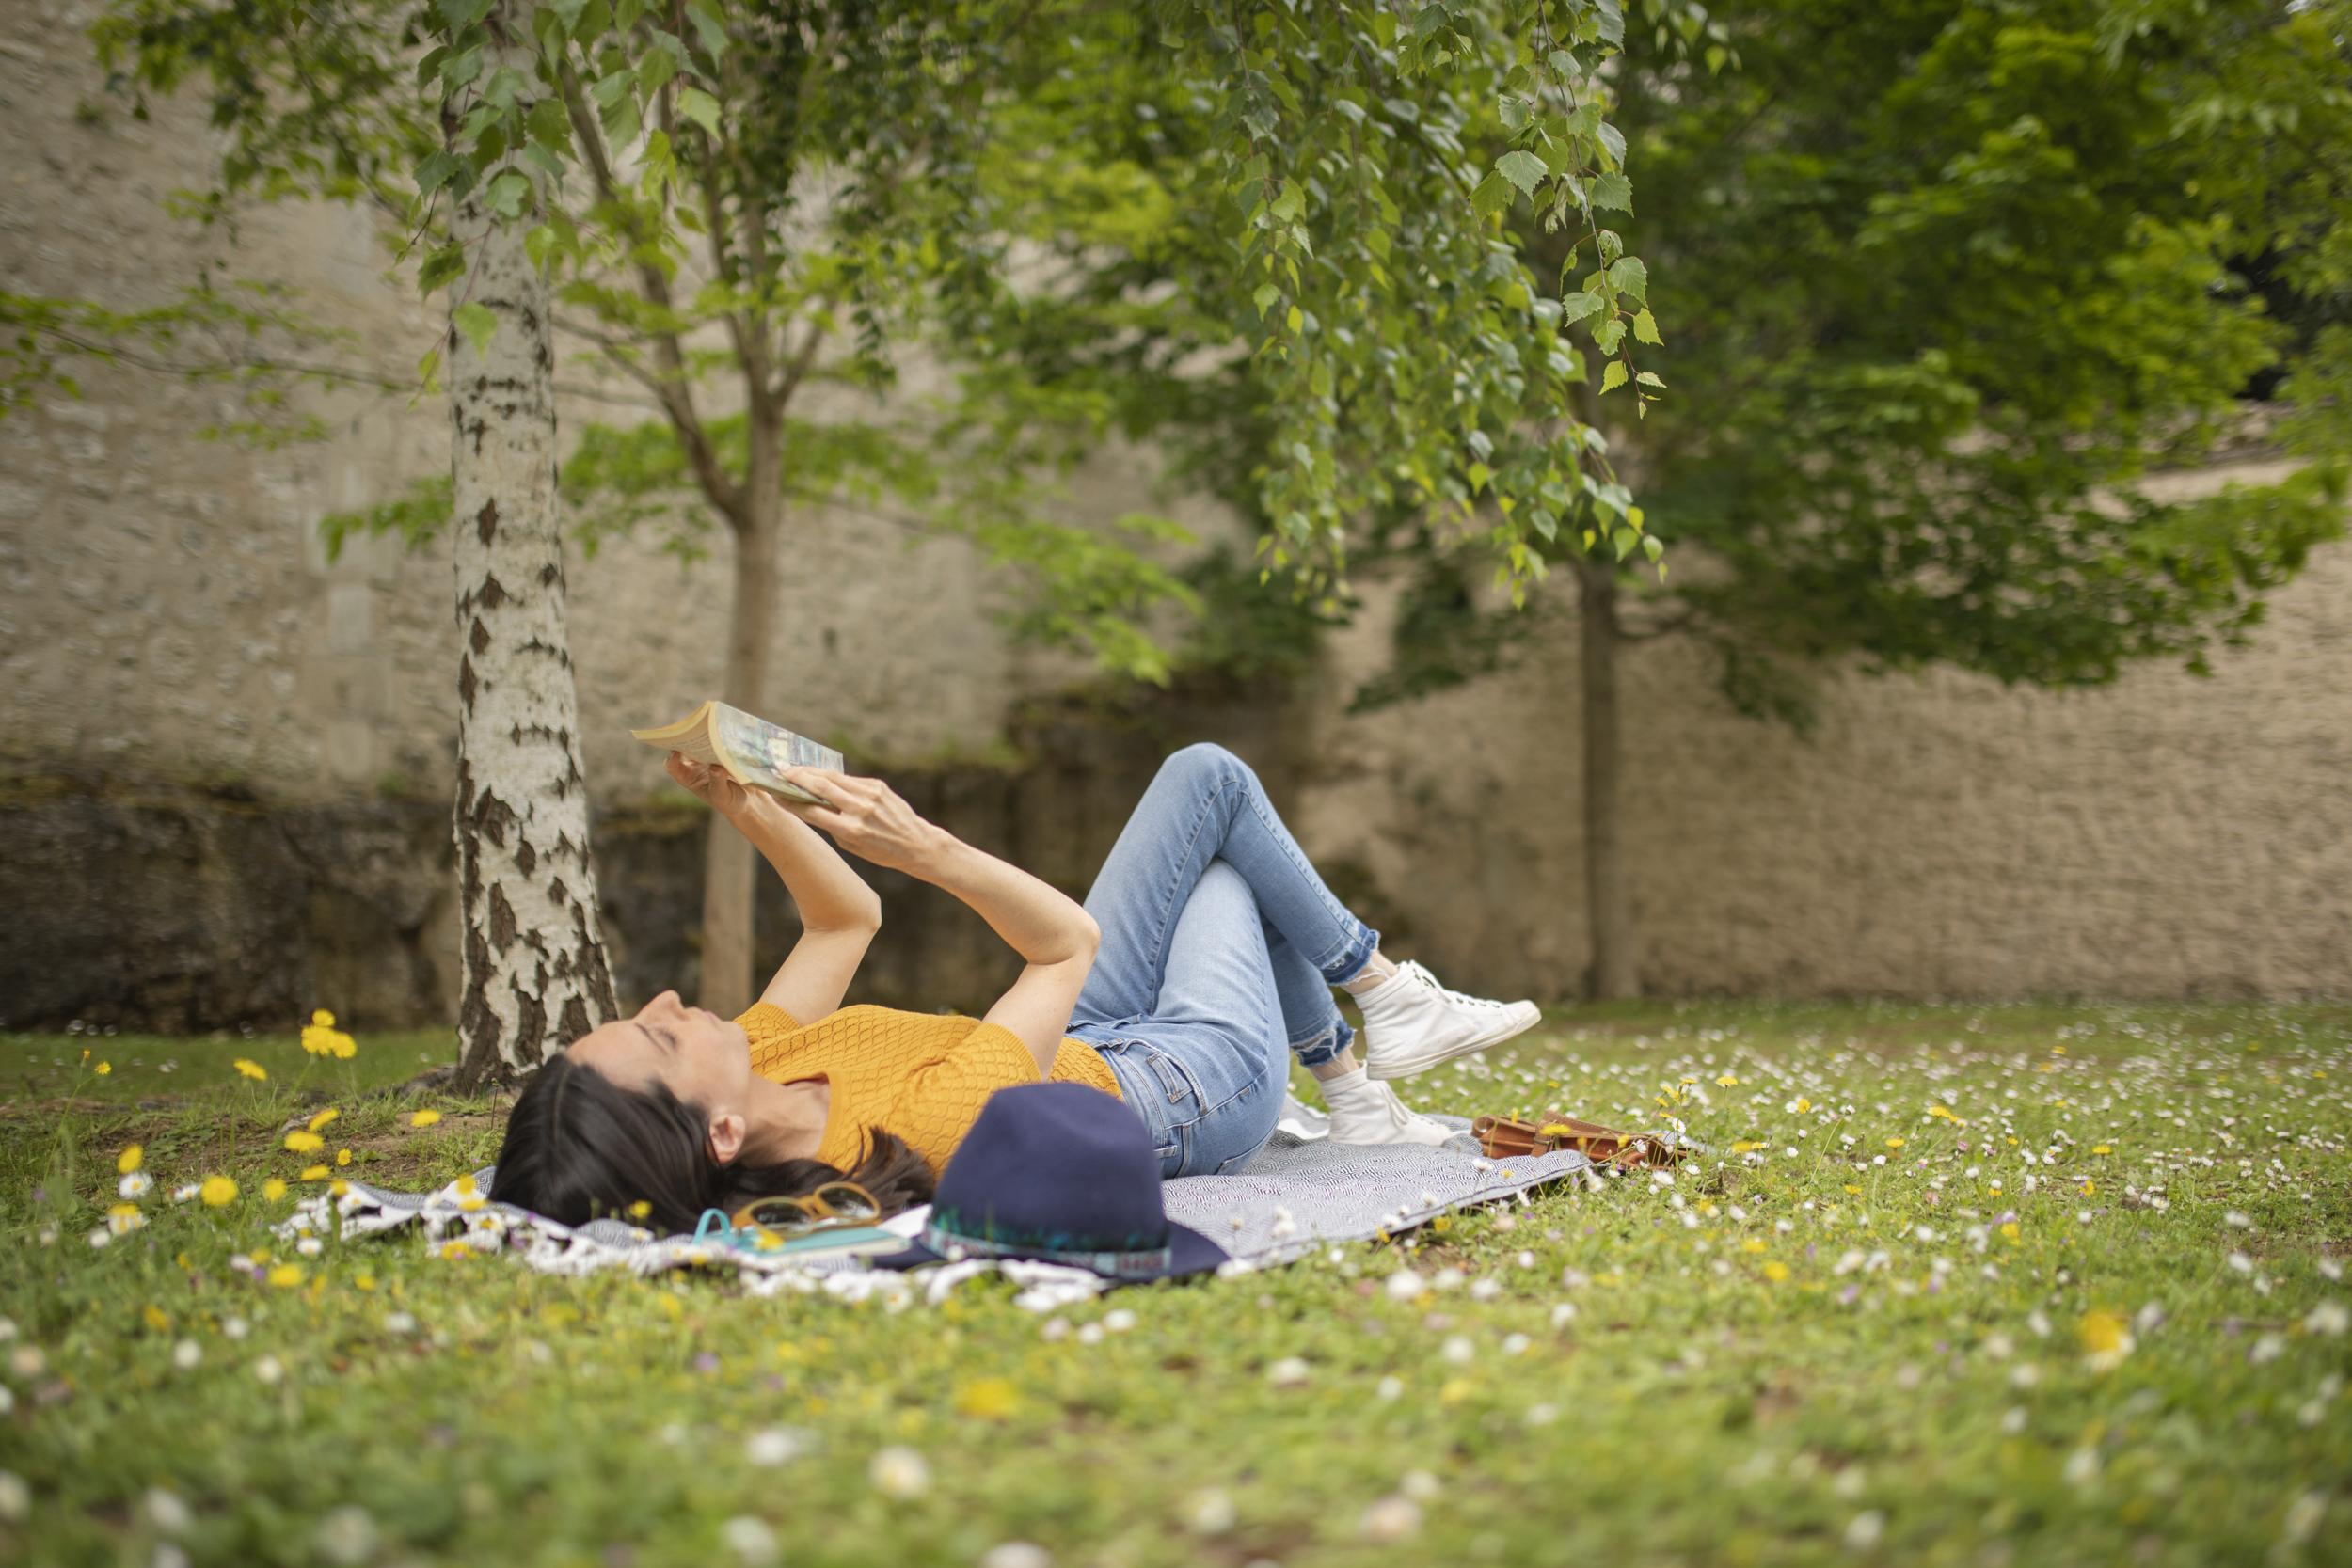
x=1057, y=1173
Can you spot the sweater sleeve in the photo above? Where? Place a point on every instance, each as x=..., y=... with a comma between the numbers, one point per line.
x=767, y=1023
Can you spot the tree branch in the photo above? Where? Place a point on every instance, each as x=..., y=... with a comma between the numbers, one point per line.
x=671, y=386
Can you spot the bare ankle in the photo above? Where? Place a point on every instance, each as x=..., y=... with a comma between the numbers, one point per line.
x=1376, y=969
x=1337, y=1066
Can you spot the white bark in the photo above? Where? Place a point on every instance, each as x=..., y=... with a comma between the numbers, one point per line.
x=534, y=970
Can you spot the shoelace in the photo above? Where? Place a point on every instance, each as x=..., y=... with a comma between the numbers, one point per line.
x=1422, y=977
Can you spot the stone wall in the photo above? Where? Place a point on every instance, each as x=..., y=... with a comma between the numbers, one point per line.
x=1938, y=836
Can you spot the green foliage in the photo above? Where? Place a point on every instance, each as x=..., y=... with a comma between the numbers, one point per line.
x=1443, y=637
x=1952, y=278
x=1802, y=1351
x=236, y=335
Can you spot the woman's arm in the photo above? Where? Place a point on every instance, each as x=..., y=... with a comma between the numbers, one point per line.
x=1044, y=925
x=839, y=913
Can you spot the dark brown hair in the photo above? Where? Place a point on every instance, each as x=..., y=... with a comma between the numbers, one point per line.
x=580, y=1147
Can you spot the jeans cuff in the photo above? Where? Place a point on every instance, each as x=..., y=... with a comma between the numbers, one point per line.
x=1354, y=956
x=1320, y=1048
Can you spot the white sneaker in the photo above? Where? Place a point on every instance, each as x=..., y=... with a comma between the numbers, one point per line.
x=1413, y=1024
x=1363, y=1112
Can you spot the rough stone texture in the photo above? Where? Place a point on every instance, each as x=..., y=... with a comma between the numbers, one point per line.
x=167, y=606
x=262, y=738
x=1937, y=837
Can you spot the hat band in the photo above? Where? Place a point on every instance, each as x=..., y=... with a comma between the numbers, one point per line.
x=1148, y=1264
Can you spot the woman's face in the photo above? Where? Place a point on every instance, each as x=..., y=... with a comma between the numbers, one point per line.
x=701, y=1057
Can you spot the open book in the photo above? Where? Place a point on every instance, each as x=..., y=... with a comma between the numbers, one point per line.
x=751, y=749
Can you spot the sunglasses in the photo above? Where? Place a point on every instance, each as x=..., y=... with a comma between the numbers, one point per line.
x=769, y=1222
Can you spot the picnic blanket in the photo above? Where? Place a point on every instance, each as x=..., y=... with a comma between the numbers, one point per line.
x=1301, y=1192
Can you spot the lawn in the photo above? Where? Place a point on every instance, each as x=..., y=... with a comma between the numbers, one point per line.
x=1961, y=1285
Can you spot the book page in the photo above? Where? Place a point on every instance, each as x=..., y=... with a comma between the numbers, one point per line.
x=758, y=753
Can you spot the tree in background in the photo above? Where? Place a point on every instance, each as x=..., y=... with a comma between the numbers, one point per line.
x=1948, y=277
x=1396, y=353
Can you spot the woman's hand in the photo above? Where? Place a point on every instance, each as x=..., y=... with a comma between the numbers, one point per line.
x=713, y=786
x=867, y=817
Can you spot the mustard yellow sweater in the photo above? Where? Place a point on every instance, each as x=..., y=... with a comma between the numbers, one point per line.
x=923, y=1076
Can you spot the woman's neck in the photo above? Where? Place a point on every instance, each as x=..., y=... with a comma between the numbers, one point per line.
x=786, y=1121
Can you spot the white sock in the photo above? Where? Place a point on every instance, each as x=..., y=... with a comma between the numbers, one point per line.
x=1334, y=1089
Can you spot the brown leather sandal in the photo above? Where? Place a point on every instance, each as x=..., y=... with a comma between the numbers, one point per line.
x=1501, y=1136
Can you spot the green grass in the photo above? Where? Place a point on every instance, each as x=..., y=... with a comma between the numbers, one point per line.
x=1782, y=1357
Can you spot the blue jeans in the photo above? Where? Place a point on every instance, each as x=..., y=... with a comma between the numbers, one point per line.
x=1220, y=946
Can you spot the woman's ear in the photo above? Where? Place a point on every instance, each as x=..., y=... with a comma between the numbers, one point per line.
x=727, y=1130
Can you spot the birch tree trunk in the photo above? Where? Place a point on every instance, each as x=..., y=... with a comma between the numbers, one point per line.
x=1607, y=905
x=730, y=865
x=533, y=960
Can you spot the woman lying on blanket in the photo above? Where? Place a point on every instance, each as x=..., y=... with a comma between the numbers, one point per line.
x=1203, y=961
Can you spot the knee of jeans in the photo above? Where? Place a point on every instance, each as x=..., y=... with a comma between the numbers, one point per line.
x=1203, y=759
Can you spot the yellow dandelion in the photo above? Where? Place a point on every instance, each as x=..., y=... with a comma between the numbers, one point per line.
x=251, y=1069
x=2106, y=1338
x=2089, y=1188
x=218, y=1192
x=1752, y=1245
x=314, y=1173
x=455, y=1251
x=128, y=1160
x=337, y=1187
x=304, y=1143
x=2103, y=1148
x=424, y=1118
x=1854, y=1189
x=1803, y=1104
x=102, y=1069
x=342, y=1156
x=988, y=1399
x=2009, y=1229
x=1894, y=1143
x=1727, y=1081
x=155, y=1318
x=286, y=1275
x=640, y=1209
x=465, y=1185
x=1775, y=1271
x=323, y=1117
x=322, y=1020
x=274, y=1189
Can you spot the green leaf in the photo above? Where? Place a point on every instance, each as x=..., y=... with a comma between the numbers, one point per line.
x=1492, y=195
x=709, y=26
x=539, y=244
x=1651, y=547
x=1631, y=279
x=475, y=321
x=439, y=267
x=1649, y=378
x=507, y=194
x=1523, y=169
x=1479, y=474
x=1576, y=306
x=1296, y=319
x=550, y=126
x=659, y=65
x=429, y=368
x=434, y=171
x=1265, y=298
x=1609, y=334
x=1646, y=329
x=1612, y=190
x=700, y=107
x=1613, y=376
